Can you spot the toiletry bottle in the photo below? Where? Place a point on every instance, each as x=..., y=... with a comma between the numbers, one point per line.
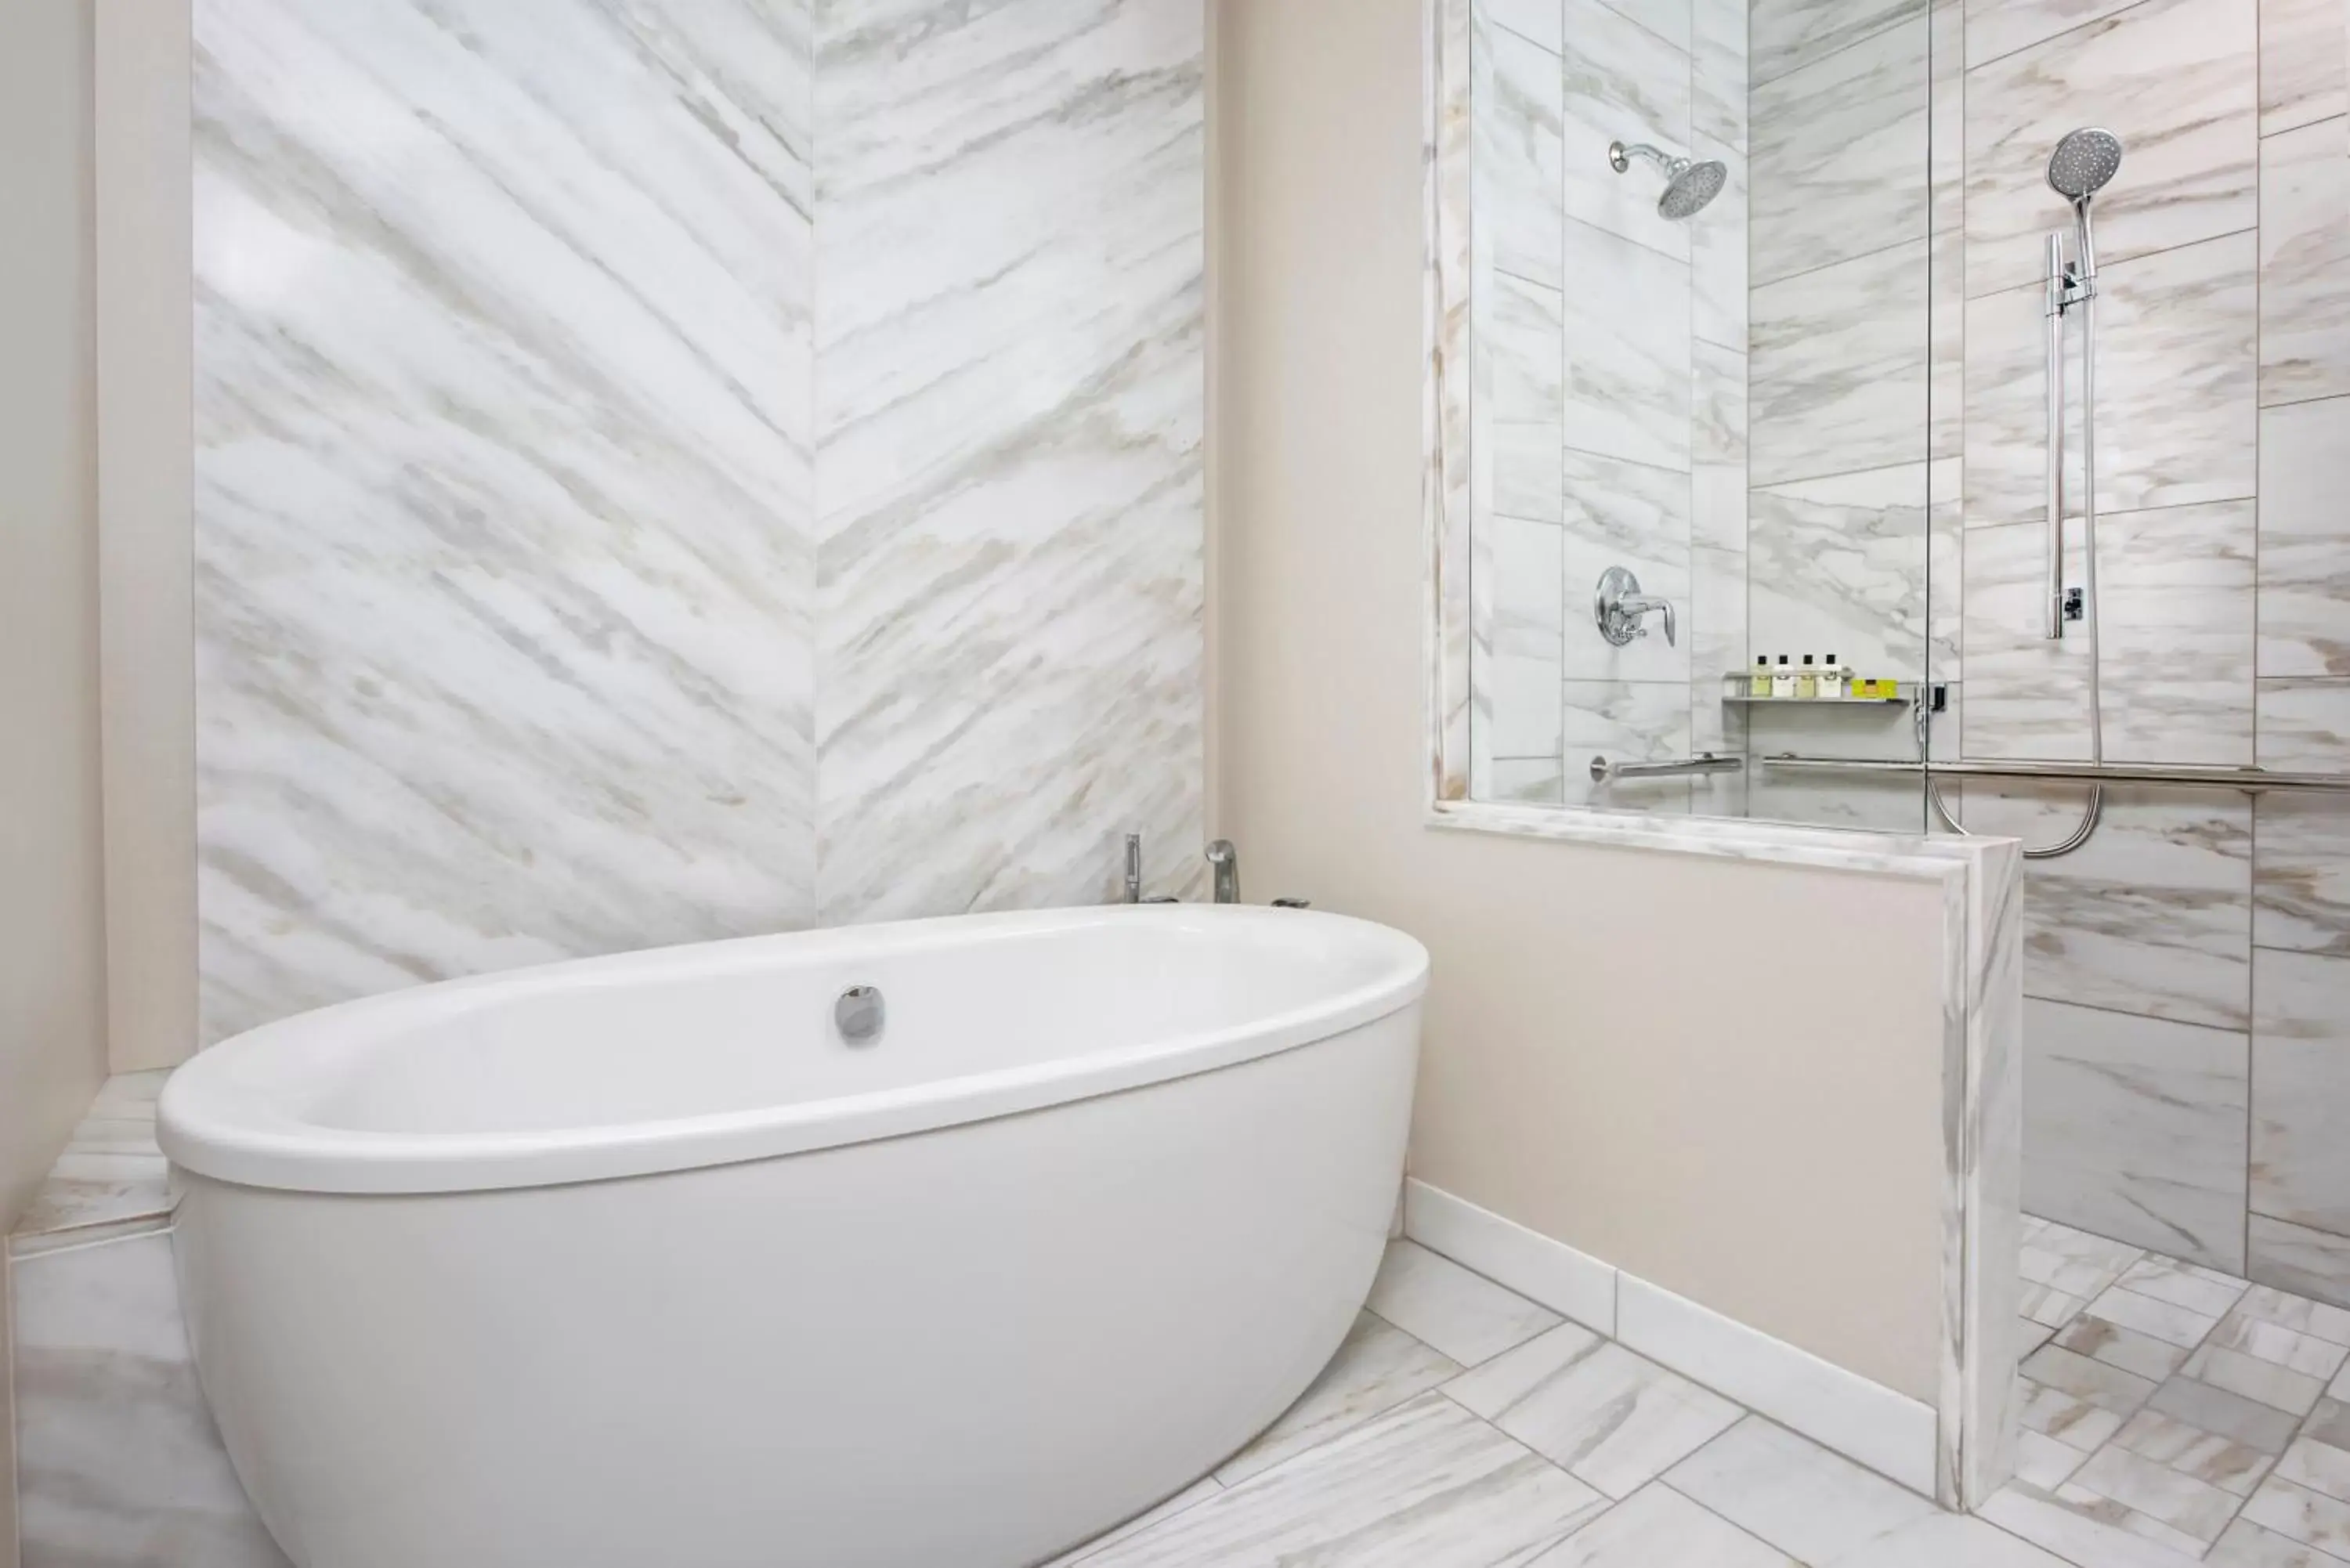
x=1759, y=683
x=1831, y=679
x=1782, y=679
x=1807, y=680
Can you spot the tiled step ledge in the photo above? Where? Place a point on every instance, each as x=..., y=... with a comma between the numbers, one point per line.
x=1890, y=1432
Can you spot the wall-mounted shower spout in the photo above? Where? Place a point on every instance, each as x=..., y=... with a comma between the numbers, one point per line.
x=1689, y=185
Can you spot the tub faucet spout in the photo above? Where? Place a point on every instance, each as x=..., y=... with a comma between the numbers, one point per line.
x=1134, y=867
x=1226, y=860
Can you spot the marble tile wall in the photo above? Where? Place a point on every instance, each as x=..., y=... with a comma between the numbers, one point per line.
x=1610, y=396
x=2188, y=1052
x=522, y=532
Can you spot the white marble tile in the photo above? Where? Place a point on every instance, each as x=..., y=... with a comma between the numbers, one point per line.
x=1718, y=69
x=1632, y=515
x=2087, y=1531
x=2320, y=1320
x=1199, y=1491
x=1515, y=172
x=1996, y=28
x=1718, y=398
x=2256, y=1378
x=2100, y=1338
x=1626, y=721
x=1840, y=565
x=1714, y=726
x=2178, y=388
x=119, y=1465
x=2169, y=1497
x=2305, y=724
x=1839, y=155
x=2304, y=539
x=1718, y=506
x=1788, y=35
x=1464, y=1315
x=1660, y=1528
x=1623, y=83
x=2264, y=1339
x=1376, y=1368
x=1541, y=1268
x=1010, y=452
x=1605, y=1415
x=1671, y=20
x=1518, y=682
x=109, y=1170
x=2304, y=250
x=1718, y=251
x=2300, y=1089
x=504, y=576
x=1537, y=21
x=2176, y=80
x=1947, y=1541
x=1718, y=632
x=2075, y=1261
x=2135, y=1127
x=1628, y=379
x=1522, y=339
x=1525, y=470
x=1526, y=780
x=2222, y=1414
x=2302, y=63
x=2181, y=1327
x=1837, y=373
x=2204, y=1291
x=2152, y=916
x=2249, y=1546
x=2097, y=1383
x=1427, y=1485
x=2064, y=1417
x=2212, y=1459
x=1815, y=1505
x=2045, y=1462
x=2302, y=1513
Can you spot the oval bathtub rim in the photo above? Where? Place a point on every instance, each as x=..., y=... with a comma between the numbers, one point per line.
x=203, y=1132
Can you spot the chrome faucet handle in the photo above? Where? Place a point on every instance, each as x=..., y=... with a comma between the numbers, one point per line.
x=1226, y=860
x=1618, y=609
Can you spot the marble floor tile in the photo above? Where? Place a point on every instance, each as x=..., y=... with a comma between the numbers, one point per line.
x=1610, y=1417
x=2088, y=1532
x=2179, y=1326
x=2256, y=1378
x=1660, y=1528
x=1840, y=565
x=2305, y=724
x=1517, y=98
x=2302, y=63
x=2301, y=878
x=2032, y=1334
x=1787, y=34
x=110, y=1169
x=1623, y=83
x=1627, y=720
x=2300, y=1089
x=1461, y=1315
x=2100, y=1339
x=2205, y=1292
x=2177, y=80
x=1838, y=367
x=2209, y=1458
x=1628, y=380
x=1376, y=1368
x=2152, y=916
x=2317, y=1319
x=2304, y=539
x=2094, y=1382
x=1947, y=1541
x=2319, y=1466
x=1636, y=516
x=1836, y=150
x=2050, y=1309
x=2304, y=251
x=2064, y=1417
x=1717, y=68
x=2074, y=1262
x=1426, y=1485
x=1787, y=1490
x=2302, y=1513
x=2136, y=1126
x=2249, y=1546
x=1199, y=1491
x=2229, y=1416
x=2168, y=1496
x=2045, y=1462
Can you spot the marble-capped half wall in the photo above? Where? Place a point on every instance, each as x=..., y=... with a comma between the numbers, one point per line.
x=545, y=609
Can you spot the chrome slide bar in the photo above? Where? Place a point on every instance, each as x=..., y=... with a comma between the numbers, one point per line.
x=2252, y=781
x=1605, y=771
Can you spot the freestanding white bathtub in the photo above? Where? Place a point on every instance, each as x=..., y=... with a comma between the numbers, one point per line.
x=638, y=1262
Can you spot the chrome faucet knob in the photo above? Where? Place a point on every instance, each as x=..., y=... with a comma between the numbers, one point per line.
x=1226, y=860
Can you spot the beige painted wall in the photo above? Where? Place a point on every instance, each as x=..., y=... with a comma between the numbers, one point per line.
x=52, y=937
x=1624, y=1049
x=146, y=480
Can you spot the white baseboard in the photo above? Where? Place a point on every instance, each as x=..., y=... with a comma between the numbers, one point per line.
x=1890, y=1432
x=1539, y=1269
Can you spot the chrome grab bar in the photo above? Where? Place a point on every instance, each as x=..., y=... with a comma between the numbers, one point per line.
x=1605, y=771
x=2252, y=781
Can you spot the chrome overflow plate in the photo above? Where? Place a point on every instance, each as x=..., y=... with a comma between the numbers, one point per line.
x=859, y=1013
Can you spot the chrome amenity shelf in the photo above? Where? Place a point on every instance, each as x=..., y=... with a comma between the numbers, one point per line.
x=2252, y=781
x=1736, y=689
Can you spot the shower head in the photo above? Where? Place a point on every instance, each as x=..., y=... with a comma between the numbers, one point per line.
x=1688, y=186
x=2083, y=162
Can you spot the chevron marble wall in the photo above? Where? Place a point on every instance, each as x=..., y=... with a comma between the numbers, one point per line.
x=684, y=471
